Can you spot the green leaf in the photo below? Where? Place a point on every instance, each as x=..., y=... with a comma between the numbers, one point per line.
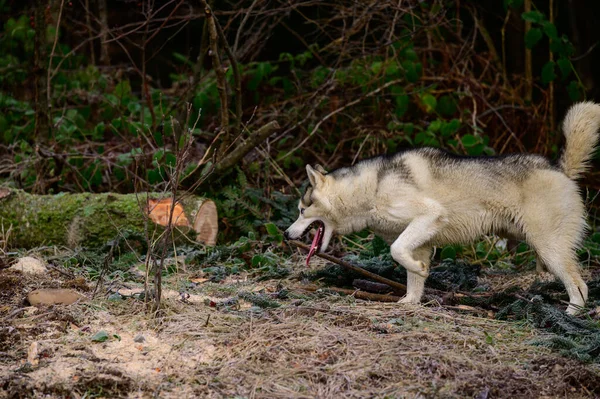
x=391, y=71
x=158, y=155
x=435, y=125
x=532, y=37
x=286, y=57
x=154, y=176
x=533, y=16
x=548, y=74
x=448, y=253
x=468, y=140
x=158, y=137
x=100, y=336
x=550, y=30
x=512, y=4
x=563, y=47
x=134, y=107
x=402, y=102
x=183, y=59
x=446, y=105
x=410, y=54
x=426, y=139
x=263, y=260
x=569, y=48
x=522, y=247
x=379, y=246
x=476, y=150
x=170, y=159
x=420, y=138
x=183, y=139
x=272, y=230
x=123, y=89
x=376, y=67
x=411, y=70
x=429, y=101
x=489, y=151
x=574, y=90
x=98, y=131
x=565, y=66
x=450, y=128
x=557, y=47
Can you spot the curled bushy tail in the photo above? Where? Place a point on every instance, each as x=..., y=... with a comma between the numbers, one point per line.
x=580, y=128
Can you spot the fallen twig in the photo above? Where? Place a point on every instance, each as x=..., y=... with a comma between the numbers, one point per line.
x=397, y=287
x=61, y=271
x=471, y=309
x=13, y=314
x=371, y=286
x=355, y=293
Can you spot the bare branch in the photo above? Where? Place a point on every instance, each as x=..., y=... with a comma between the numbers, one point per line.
x=236, y=76
x=40, y=67
x=221, y=78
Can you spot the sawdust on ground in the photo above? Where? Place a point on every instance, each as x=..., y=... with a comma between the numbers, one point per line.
x=319, y=346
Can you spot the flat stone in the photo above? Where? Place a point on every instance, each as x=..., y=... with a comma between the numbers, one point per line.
x=139, y=338
x=50, y=296
x=29, y=265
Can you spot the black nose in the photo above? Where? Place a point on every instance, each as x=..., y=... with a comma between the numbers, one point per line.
x=286, y=235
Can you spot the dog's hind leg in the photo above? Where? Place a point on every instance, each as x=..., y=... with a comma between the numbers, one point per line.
x=561, y=261
x=553, y=221
x=415, y=283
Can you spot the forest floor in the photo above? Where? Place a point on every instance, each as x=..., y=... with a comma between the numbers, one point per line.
x=217, y=340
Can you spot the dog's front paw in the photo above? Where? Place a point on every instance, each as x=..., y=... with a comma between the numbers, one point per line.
x=409, y=299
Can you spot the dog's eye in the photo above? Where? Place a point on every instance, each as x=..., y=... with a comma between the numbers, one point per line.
x=302, y=211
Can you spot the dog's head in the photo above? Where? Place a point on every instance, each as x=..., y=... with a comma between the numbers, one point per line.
x=315, y=209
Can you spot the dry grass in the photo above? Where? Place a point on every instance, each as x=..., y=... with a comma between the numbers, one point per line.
x=318, y=347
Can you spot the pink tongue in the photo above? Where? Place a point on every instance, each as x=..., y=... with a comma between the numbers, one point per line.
x=315, y=244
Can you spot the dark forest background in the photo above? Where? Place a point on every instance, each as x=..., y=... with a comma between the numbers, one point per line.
x=233, y=98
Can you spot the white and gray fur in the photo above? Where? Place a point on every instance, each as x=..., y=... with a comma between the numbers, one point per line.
x=426, y=197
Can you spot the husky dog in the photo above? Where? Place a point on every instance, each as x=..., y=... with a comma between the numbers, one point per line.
x=425, y=197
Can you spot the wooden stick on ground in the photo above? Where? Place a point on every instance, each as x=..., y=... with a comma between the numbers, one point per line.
x=369, y=296
x=397, y=287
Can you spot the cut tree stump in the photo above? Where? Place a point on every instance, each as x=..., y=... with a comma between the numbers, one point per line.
x=91, y=220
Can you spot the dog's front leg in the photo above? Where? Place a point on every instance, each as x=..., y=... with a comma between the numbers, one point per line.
x=411, y=251
x=415, y=283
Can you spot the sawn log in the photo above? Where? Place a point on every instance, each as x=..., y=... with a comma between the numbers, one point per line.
x=91, y=220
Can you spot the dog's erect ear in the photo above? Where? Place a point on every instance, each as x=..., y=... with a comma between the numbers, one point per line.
x=320, y=169
x=314, y=176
